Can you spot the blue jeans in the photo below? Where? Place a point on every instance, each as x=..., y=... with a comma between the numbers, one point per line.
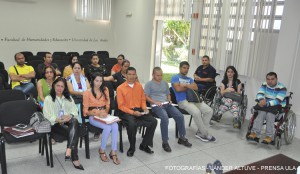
x=107, y=129
x=25, y=88
x=163, y=112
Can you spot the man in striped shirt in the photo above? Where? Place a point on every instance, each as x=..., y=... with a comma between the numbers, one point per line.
x=270, y=99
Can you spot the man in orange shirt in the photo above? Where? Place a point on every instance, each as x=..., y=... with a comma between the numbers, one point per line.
x=132, y=101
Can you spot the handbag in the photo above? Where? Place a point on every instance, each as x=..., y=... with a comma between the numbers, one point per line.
x=40, y=123
x=234, y=96
x=193, y=96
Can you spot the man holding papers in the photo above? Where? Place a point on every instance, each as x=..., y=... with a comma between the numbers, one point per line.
x=131, y=100
x=96, y=104
x=158, y=95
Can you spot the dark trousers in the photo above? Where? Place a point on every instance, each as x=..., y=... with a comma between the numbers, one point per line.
x=133, y=122
x=69, y=130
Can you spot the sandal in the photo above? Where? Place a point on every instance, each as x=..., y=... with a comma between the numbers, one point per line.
x=114, y=158
x=103, y=156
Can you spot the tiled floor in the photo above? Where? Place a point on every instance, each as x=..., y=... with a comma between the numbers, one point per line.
x=231, y=149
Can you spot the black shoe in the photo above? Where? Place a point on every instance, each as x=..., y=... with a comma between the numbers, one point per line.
x=80, y=167
x=67, y=158
x=146, y=149
x=130, y=152
x=184, y=142
x=166, y=147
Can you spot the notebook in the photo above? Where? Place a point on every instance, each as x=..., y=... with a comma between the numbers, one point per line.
x=108, y=120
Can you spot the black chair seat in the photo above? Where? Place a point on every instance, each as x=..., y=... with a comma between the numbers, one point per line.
x=11, y=139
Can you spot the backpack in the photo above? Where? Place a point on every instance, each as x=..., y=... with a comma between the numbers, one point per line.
x=40, y=123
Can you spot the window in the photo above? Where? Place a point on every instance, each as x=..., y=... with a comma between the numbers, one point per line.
x=93, y=10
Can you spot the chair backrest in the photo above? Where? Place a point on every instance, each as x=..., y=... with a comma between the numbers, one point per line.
x=27, y=54
x=2, y=65
x=11, y=95
x=61, y=53
x=41, y=53
x=89, y=52
x=10, y=116
x=31, y=58
x=109, y=63
x=173, y=97
x=103, y=54
x=4, y=76
x=73, y=53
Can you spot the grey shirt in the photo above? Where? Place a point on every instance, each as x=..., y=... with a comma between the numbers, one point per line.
x=157, y=91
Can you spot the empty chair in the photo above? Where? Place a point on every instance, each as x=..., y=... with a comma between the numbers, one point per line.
x=109, y=63
x=21, y=115
x=61, y=53
x=89, y=52
x=61, y=64
x=103, y=54
x=11, y=95
x=57, y=57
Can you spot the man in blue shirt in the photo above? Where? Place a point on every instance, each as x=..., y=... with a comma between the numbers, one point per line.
x=201, y=112
x=270, y=99
x=205, y=75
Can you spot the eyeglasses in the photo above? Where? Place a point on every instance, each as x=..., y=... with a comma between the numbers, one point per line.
x=48, y=72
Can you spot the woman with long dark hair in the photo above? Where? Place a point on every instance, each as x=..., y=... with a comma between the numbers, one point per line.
x=230, y=83
x=61, y=111
x=44, y=85
x=96, y=102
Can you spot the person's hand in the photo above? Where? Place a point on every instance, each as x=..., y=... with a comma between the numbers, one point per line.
x=146, y=111
x=262, y=103
x=230, y=89
x=66, y=118
x=158, y=103
x=103, y=113
x=137, y=113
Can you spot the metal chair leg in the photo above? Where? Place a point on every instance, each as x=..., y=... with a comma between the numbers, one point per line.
x=190, y=121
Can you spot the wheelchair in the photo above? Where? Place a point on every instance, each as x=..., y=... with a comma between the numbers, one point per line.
x=285, y=123
x=207, y=94
x=217, y=102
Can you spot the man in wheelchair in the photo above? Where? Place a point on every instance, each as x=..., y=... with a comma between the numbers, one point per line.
x=270, y=99
x=204, y=75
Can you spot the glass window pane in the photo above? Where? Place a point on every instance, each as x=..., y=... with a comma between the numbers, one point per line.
x=279, y=10
x=267, y=10
x=277, y=24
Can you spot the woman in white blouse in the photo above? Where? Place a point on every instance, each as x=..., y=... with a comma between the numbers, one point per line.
x=61, y=111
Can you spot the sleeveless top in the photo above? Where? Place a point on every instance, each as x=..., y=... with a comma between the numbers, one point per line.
x=234, y=86
x=46, y=89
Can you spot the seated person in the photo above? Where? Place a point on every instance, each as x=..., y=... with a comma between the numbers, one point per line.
x=132, y=101
x=94, y=67
x=270, y=99
x=68, y=69
x=230, y=83
x=158, y=95
x=77, y=83
x=117, y=67
x=21, y=75
x=47, y=62
x=96, y=102
x=119, y=77
x=204, y=75
x=61, y=111
x=201, y=112
x=44, y=85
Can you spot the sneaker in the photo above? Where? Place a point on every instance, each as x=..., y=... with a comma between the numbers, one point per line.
x=218, y=167
x=184, y=142
x=209, y=138
x=209, y=168
x=166, y=147
x=236, y=123
x=267, y=140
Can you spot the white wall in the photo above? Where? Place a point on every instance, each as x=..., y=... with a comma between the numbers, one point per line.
x=46, y=19
x=287, y=61
x=133, y=34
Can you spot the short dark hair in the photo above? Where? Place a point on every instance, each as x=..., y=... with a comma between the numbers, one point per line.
x=18, y=54
x=121, y=55
x=130, y=69
x=183, y=63
x=73, y=64
x=156, y=69
x=46, y=53
x=206, y=56
x=94, y=54
x=271, y=74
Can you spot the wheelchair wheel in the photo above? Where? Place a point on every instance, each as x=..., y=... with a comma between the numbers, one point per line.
x=290, y=127
x=244, y=108
x=277, y=142
x=209, y=95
